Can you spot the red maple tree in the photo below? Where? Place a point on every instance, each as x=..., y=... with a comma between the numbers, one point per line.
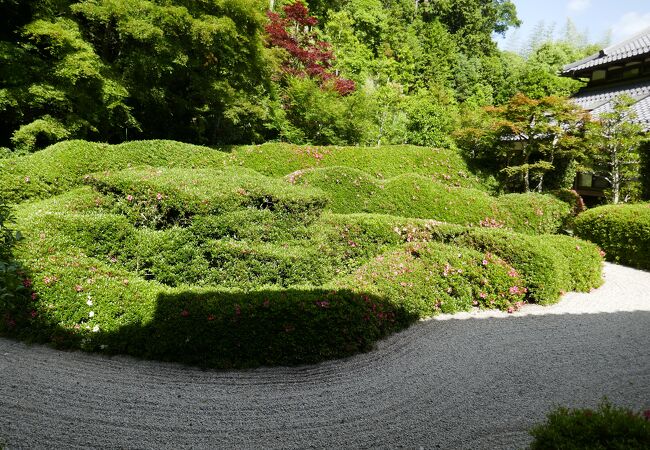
x=308, y=56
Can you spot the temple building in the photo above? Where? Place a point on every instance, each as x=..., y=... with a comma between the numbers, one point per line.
x=621, y=69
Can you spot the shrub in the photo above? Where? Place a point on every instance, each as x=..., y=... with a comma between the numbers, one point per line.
x=444, y=165
x=428, y=278
x=14, y=284
x=162, y=197
x=622, y=231
x=62, y=166
x=94, y=303
x=608, y=427
x=410, y=195
x=533, y=213
x=547, y=263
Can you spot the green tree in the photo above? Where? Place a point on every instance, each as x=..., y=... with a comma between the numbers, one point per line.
x=615, y=138
x=528, y=135
x=112, y=70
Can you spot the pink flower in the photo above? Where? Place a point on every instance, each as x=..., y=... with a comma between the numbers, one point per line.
x=185, y=313
x=483, y=295
x=27, y=282
x=475, y=303
x=159, y=196
x=602, y=253
x=485, y=263
x=129, y=198
x=646, y=414
x=33, y=314
x=323, y=304
x=78, y=288
x=512, y=273
x=510, y=310
x=210, y=318
x=34, y=296
x=237, y=310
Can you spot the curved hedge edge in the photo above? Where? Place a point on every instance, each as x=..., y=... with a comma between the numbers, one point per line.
x=622, y=231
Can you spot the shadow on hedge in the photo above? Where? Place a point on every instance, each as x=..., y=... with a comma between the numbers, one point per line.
x=219, y=329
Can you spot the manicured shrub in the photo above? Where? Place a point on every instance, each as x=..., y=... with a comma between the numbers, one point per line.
x=251, y=265
x=62, y=166
x=622, y=231
x=160, y=197
x=388, y=161
x=250, y=225
x=94, y=303
x=350, y=191
x=428, y=278
x=546, y=263
x=533, y=213
x=608, y=427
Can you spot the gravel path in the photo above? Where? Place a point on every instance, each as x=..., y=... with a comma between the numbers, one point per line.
x=444, y=383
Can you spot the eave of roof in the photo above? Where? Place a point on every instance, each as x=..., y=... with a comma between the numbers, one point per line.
x=630, y=48
x=599, y=99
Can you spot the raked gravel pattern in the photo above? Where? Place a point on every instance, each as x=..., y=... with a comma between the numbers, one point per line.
x=478, y=383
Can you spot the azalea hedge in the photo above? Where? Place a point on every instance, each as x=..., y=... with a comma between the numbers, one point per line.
x=63, y=166
x=351, y=190
x=222, y=266
x=623, y=232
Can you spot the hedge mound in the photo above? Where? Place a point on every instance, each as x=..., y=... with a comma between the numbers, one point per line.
x=100, y=283
x=160, y=197
x=622, y=231
x=388, y=161
x=411, y=195
x=429, y=278
x=62, y=166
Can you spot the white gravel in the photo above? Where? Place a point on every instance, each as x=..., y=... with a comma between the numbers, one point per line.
x=467, y=384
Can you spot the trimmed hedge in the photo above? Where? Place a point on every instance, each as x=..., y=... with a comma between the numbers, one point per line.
x=99, y=283
x=225, y=267
x=622, y=231
x=608, y=427
x=388, y=161
x=62, y=166
x=411, y=195
x=429, y=278
x=548, y=264
x=160, y=197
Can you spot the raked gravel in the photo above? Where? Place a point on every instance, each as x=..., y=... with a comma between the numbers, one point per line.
x=443, y=383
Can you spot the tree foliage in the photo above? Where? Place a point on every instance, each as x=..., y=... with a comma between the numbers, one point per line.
x=616, y=140
x=527, y=137
x=113, y=70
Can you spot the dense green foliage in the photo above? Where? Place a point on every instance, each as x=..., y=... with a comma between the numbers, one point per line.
x=644, y=170
x=623, y=232
x=64, y=165
x=412, y=195
x=607, y=427
x=12, y=288
x=216, y=72
x=616, y=138
x=208, y=261
x=196, y=71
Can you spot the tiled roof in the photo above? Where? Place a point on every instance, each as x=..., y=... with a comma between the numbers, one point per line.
x=599, y=100
x=636, y=45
